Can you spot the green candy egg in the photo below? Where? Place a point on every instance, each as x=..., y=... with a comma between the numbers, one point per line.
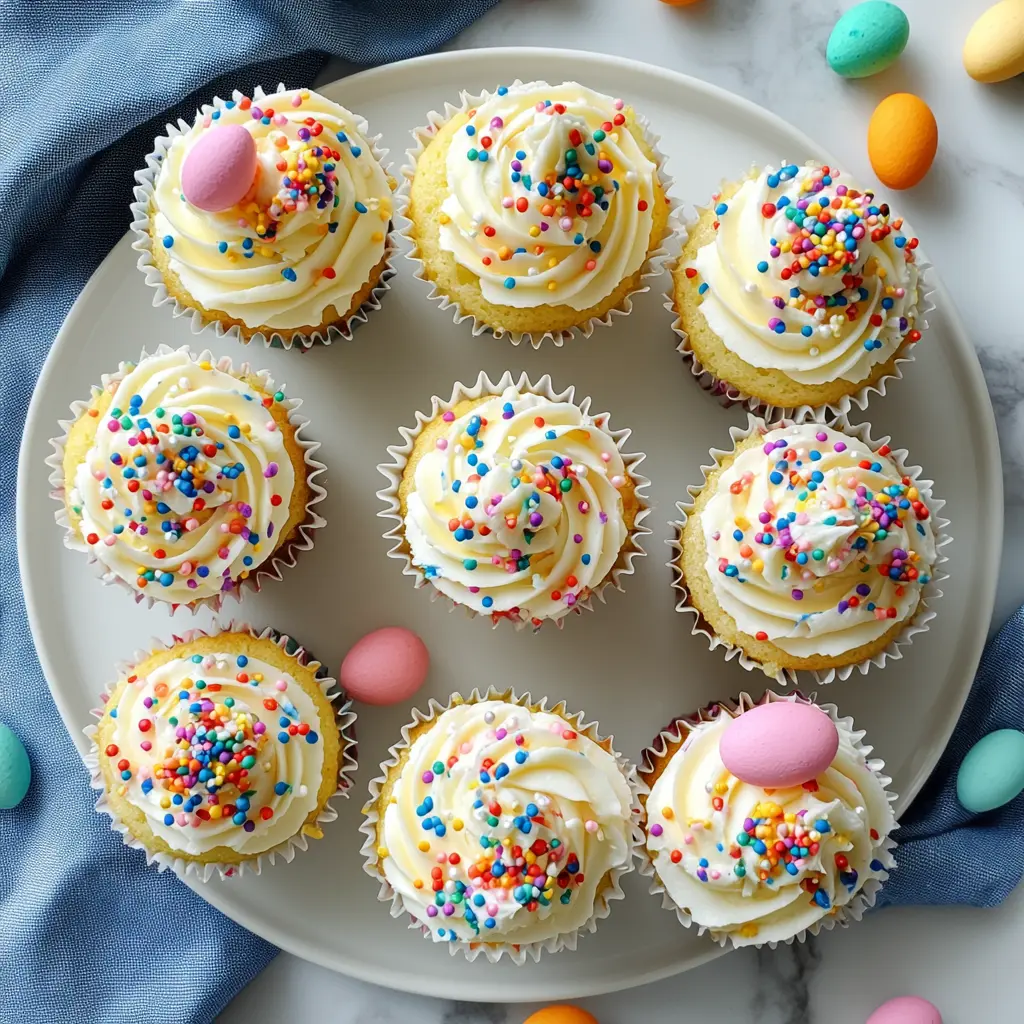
x=867, y=39
x=15, y=771
x=992, y=773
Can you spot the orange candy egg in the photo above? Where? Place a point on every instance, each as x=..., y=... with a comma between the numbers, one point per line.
x=561, y=1015
x=902, y=140
x=678, y=3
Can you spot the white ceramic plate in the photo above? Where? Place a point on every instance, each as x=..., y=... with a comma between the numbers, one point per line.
x=632, y=664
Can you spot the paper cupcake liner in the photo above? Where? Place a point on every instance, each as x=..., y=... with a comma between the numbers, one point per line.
x=345, y=718
x=918, y=623
x=198, y=321
x=653, y=266
x=493, y=952
x=271, y=569
x=862, y=901
x=729, y=394
x=483, y=386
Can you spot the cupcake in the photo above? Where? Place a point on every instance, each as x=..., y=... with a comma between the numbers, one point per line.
x=185, y=479
x=268, y=217
x=795, y=289
x=501, y=825
x=808, y=547
x=765, y=822
x=514, y=501
x=219, y=750
x=537, y=209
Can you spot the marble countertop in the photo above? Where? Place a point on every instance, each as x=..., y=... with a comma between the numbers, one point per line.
x=772, y=52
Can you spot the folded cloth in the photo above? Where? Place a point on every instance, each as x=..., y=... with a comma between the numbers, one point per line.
x=88, y=934
x=946, y=853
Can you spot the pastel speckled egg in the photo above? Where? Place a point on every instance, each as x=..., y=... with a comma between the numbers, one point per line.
x=781, y=744
x=992, y=773
x=561, y=1015
x=906, y=1010
x=867, y=39
x=385, y=666
x=15, y=770
x=994, y=49
x=902, y=140
x=219, y=169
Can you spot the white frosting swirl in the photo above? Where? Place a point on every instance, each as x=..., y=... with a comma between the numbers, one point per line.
x=504, y=825
x=817, y=543
x=187, y=485
x=236, y=725
x=551, y=196
x=713, y=840
x=285, y=253
x=820, y=300
x=516, y=511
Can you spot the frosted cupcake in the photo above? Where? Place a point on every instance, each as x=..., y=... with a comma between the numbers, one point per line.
x=808, y=548
x=796, y=289
x=186, y=479
x=764, y=822
x=537, y=209
x=268, y=217
x=515, y=502
x=500, y=825
x=220, y=750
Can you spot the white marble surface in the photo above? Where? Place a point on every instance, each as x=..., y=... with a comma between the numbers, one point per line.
x=772, y=52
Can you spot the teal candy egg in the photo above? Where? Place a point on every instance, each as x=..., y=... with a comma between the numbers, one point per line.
x=15, y=771
x=992, y=773
x=867, y=39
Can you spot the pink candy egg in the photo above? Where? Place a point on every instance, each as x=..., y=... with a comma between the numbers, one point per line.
x=906, y=1010
x=779, y=744
x=219, y=169
x=385, y=666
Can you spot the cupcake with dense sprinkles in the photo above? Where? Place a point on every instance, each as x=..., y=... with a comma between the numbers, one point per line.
x=795, y=288
x=809, y=548
x=501, y=825
x=537, y=209
x=267, y=218
x=515, y=502
x=764, y=822
x=186, y=480
x=220, y=750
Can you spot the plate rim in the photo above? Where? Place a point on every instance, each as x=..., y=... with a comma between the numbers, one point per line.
x=991, y=543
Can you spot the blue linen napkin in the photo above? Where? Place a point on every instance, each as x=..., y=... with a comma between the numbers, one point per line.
x=947, y=854
x=87, y=932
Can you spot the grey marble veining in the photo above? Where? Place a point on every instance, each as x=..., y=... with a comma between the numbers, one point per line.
x=772, y=52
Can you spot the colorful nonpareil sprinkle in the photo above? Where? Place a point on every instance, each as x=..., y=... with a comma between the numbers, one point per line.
x=818, y=541
x=548, y=184
x=829, y=233
x=208, y=753
x=165, y=494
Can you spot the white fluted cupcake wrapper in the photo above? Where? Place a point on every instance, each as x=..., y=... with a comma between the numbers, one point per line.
x=919, y=623
x=729, y=394
x=286, y=851
x=865, y=897
x=652, y=267
x=518, y=953
x=483, y=386
x=145, y=179
x=272, y=568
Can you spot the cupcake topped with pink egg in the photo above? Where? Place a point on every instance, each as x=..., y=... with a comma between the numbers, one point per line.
x=268, y=217
x=765, y=821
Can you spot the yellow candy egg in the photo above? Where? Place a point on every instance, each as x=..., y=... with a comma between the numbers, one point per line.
x=561, y=1015
x=994, y=50
x=902, y=140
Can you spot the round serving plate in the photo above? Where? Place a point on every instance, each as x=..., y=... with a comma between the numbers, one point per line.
x=631, y=664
